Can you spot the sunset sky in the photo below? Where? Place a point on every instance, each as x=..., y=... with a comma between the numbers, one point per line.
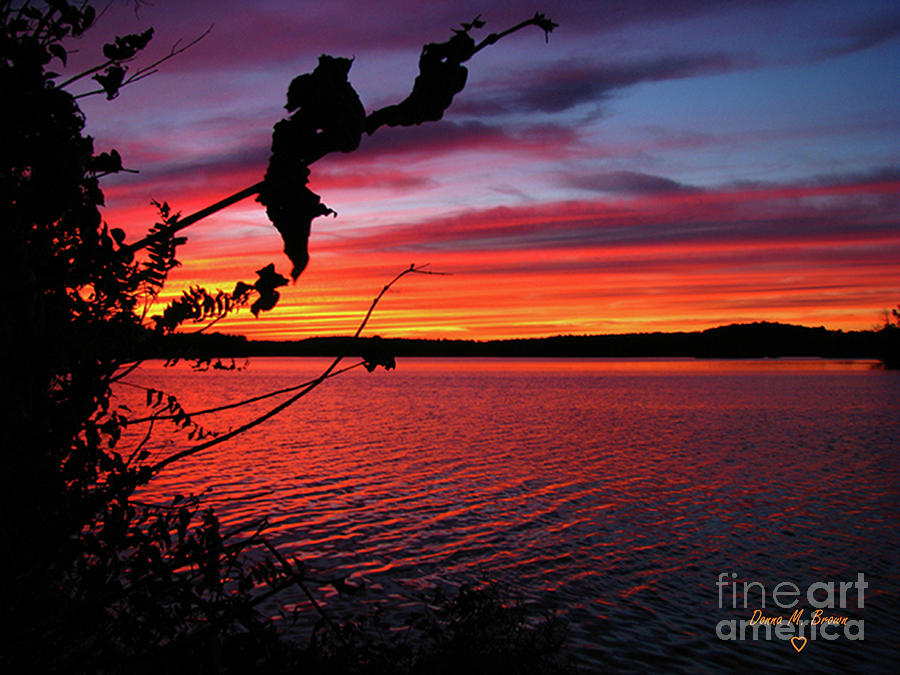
x=659, y=165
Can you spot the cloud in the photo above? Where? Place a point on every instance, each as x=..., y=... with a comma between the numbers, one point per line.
x=866, y=34
x=556, y=89
x=625, y=182
x=809, y=213
x=449, y=136
x=878, y=175
x=386, y=179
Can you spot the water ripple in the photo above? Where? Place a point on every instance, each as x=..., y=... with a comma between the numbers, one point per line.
x=614, y=491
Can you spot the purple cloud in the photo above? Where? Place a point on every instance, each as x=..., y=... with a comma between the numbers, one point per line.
x=625, y=182
x=866, y=34
x=558, y=89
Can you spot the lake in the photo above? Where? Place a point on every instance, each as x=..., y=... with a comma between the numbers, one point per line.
x=640, y=498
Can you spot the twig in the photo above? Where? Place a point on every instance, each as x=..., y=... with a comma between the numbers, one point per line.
x=126, y=372
x=141, y=444
x=237, y=404
x=537, y=20
x=85, y=73
x=411, y=270
x=260, y=525
x=299, y=581
x=293, y=399
x=140, y=74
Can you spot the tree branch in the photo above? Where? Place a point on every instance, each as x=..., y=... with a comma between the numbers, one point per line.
x=140, y=74
x=193, y=218
x=156, y=468
x=537, y=20
x=238, y=404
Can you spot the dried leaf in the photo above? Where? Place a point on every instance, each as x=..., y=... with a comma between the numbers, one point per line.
x=327, y=117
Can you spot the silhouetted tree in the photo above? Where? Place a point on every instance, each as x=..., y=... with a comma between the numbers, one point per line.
x=890, y=340
x=94, y=581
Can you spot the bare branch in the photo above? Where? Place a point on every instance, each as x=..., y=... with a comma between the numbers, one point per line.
x=85, y=73
x=538, y=20
x=193, y=218
x=140, y=74
x=289, y=569
x=141, y=444
x=412, y=269
x=237, y=404
x=118, y=376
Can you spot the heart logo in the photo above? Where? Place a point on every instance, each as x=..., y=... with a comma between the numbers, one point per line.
x=798, y=643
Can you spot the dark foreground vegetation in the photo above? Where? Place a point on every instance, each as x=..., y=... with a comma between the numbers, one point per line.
x=95, y=581
x=755, y=340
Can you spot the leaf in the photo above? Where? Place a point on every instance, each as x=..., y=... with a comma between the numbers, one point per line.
x=441, y=76
x=269, y=278
x=264, y=302
x=544, y=24
x=475, y=23
x=327, y=117
x=111, y=80
x=59, y=52
x=87, y=18
x=123, y=48
x=268, y=281
x=376, y=353
x=240, y=290
x=106, y=162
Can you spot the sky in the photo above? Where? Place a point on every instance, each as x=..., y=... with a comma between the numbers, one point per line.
x=654, y=166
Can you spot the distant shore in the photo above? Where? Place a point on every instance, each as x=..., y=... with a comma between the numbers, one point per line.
x=753, y=340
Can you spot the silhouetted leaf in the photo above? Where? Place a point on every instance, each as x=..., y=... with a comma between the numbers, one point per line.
x=268, y=281
x=376, y=353
x=126, y=47
x=111, y=80
x=106, y=162
x=240, y=290
x=441, y=76
x=87, y=18
x=327, y=117
x=269, y=278
x=544, y=24
x=264, y=303
x=59, y=52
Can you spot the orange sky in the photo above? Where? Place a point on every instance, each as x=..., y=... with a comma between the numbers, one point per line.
x=685, y=171
x=601, y=266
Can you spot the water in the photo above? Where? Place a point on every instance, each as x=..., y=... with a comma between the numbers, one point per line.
x=616, y=491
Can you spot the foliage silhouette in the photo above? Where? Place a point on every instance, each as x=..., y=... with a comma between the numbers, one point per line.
x=95, y=580
x=890, y=340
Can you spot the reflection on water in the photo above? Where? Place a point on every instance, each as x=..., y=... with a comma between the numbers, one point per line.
x=614, y=490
